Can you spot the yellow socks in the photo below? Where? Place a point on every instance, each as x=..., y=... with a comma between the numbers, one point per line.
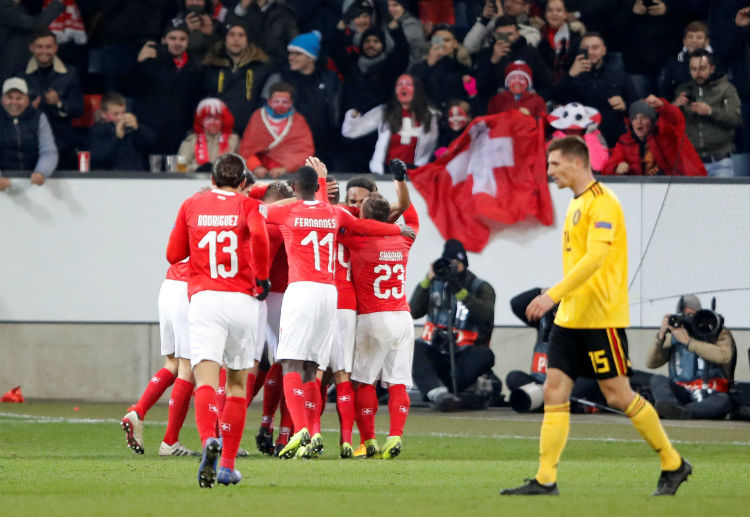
x=553, y=436
x=647, y=422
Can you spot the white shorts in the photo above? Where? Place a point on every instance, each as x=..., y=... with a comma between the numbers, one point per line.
x=307, y=322
x=384, y=348
x=260, y=339
x=223, y=328
x=273, y=304
x=342, y=349
x=173, y=318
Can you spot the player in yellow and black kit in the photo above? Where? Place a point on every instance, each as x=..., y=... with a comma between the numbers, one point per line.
x=588, y=336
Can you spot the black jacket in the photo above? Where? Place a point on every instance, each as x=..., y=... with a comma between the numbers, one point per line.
x=443, y=81
x=271, y=30
x=125, y=154
x=19, y=141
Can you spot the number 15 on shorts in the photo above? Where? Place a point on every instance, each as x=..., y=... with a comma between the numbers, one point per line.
x=599, y=361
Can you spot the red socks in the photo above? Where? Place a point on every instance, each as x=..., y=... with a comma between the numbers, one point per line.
x=249, y=387
x=323, y=388
x=295, y=399
x=312, y=406
x=232, y=425
x=346, y=411
x=366, y=403
x=272, y=391
x=179, y=403
x=259, y=381
x=398, y=408
x=206, y=412
x=221, y=394
x=159, y=383
x=285, y=427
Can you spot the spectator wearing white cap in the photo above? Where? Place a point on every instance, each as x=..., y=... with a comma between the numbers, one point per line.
x=26, y=139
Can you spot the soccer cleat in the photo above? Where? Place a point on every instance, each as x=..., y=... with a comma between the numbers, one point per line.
x=133, y=427
x=278, y=448
x=227, y=476
x=300, y=438
x=317, y=443
x=207, y=469
x=305, y=452
x=346, y=451
x=670, y=480
x=532, y=487
x=360, y=452
x=391, y=448
x=264, y=441
x=176, y=449
x=242, y=453
x=371, y=449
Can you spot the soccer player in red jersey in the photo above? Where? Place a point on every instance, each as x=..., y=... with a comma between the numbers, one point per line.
x=173, y=329
x=309, y=228
x=224, y=234
x=384, y=346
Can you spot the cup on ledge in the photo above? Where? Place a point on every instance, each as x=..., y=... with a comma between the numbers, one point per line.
x=171, y=163
x=181, y=164
x=84, y=161
x=156, y=162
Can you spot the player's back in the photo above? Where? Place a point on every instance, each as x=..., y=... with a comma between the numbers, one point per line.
x=219, y=238
x=309, y=229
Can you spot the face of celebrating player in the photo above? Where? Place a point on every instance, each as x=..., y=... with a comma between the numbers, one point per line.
x=356, y=195
x=280, y=103
x=405, y=89
x=457, y=118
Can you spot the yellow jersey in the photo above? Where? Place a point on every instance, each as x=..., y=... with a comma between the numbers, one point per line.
x=595, y=218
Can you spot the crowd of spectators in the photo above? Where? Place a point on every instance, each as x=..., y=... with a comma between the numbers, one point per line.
x=662, y=85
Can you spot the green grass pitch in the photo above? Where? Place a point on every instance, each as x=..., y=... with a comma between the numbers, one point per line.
x=57, y=461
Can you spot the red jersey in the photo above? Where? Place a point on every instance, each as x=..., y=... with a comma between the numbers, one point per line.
x=279, y=272
x=224, y=234
x=310, y=229
x=179, y=271
x=379, y=268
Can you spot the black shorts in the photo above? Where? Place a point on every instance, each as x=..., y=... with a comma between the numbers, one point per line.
x=593, y=353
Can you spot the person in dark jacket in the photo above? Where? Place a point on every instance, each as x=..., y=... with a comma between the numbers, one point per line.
x=119, y=141
x=560, y=39
x=656, y=143
x=677, y=70
x=26, y=141
x=167, y=88
x=17, y=27
x=56, y=90
x=594, y=81
x=235, y=71
x=509, y=46
x=270, y=24
x=318, y=94
x=197, y=15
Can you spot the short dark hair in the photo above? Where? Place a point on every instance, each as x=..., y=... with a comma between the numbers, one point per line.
x=505, y=20
x=44, y=33
x=696, y=26
x=364, y=182
x=278, y=190
x=594, y=34
x=306, y=180
x=112, y=98
x=229, y=170
x=376, y=207
x=281, y=86
x=702, y=52
x=571, y=147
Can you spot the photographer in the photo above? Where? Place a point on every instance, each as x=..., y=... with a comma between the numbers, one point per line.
x=701, y=354
x=452, y=293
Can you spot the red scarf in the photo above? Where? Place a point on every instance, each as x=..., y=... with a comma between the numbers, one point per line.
x=181, y=60
x=201, y=147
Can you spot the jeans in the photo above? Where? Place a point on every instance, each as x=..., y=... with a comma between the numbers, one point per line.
x=720, y=169
x=432, y=369
x=713, y=407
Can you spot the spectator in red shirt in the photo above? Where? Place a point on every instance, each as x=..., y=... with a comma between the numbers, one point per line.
x=518, y=93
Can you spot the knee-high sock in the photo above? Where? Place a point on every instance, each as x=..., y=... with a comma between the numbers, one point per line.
x=553, y=436
x=366, y=403
x=295, y=399
x=249, y=386
x=286, y=425
x=156, y=387
x=647, y=422
x=221, y=396
x=179, y=403
x=398, y=408
x=206, y=413
x=232, y=426
x=323, y=388
x=260, y=379
x=272, y=391
x=312, y=405
x=346, y=411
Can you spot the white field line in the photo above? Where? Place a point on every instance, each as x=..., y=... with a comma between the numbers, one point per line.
x=34, y=419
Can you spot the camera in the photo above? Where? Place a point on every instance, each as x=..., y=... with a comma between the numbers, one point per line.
x=441, y=340
x=444, y=268
x=704, y=325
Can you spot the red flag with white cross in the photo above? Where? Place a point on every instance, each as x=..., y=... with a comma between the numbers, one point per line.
x=494, y=172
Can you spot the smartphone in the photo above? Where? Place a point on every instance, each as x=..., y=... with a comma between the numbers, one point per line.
x=584, y=52
x=437, y=41
x=501, y=36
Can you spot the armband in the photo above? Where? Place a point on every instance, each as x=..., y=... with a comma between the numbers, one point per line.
x=461, y=295
x=425, y=283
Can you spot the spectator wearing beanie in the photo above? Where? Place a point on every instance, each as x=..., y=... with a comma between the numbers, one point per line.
x=655, y=144
x=518, y=93
x=318, y=93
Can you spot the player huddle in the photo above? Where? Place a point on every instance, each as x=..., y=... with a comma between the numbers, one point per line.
x=301, y=286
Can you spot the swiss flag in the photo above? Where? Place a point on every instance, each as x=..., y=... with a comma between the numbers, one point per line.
x=494, y=171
